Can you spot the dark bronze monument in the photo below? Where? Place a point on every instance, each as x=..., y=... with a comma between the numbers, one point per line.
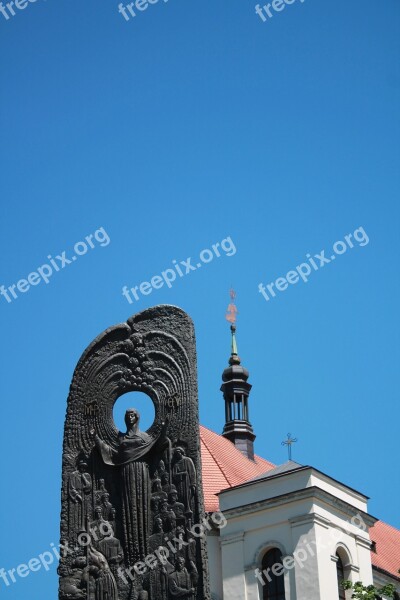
x=132, y=501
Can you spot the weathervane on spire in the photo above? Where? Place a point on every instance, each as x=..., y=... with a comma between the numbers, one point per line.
x=230, y=316
x=289, y=443
x=232, y=309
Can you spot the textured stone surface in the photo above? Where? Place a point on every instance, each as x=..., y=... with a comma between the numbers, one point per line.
x=133, y=491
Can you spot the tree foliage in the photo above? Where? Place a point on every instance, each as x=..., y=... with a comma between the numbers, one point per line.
x=369, y=592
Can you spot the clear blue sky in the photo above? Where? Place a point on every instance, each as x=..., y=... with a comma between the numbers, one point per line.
x=190, y=123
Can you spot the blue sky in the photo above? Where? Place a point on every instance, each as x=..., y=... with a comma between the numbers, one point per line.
x=191, y=123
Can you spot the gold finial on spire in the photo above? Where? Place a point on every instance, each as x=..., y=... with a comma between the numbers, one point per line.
x=232, y=309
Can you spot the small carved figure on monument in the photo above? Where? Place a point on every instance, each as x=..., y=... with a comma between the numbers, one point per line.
x=158, y=577
x=168, y=517
x=111, y=547
x=157, y=496
x=165, y=482
x=79, y=488
x=99, y=569
x=182, y=546
x=160, y=468
x=157, y=538
x=180, y=582
x=112, y=520
x=179, y=541
x=101, y=489
x=100, y=527
x=184, y=477
x=177, y=507
x=107, y=506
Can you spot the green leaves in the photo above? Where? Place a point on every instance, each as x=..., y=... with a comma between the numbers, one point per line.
x=370, y=592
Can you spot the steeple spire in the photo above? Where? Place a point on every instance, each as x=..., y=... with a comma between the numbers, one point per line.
x=234, y=359
x=231, y=317
x=236, y=392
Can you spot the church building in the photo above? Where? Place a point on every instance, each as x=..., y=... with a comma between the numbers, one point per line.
x=292, y=532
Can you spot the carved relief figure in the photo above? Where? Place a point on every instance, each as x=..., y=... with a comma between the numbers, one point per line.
x=157, y=496
x=100, y=527
x=101, y=489
x=177, y=507
x=184, y=477
x=182, y=548
x=165, y=482
x=181, y=583
x=107, y=506
x=134, y=447
x=98, y=569
x=111, y=547
x=157, y=538
x=158, y=575
x=79, y=488
x=168, y=517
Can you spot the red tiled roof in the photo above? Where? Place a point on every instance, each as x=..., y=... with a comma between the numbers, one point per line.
x=387, y=555
x=224, y=466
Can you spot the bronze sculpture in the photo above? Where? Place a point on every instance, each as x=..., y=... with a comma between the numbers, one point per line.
x=130, y=498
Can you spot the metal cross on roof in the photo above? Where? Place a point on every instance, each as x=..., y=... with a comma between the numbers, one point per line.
x=289, y=442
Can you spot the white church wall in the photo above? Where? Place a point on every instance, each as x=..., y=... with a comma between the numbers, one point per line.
x=338, y=490
x=260, y=530
x=263, y=489
x=350, y=533
x=215, y=565
x=304, y=549
x=307, y=525
x=232, y=554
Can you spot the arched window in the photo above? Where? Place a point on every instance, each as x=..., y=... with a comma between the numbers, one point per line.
x=274, y=588
x=340, y=577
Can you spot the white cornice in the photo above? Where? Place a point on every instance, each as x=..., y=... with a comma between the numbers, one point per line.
x=309, y=493
x=363, y=542
x=232, y=539
x=310, y=518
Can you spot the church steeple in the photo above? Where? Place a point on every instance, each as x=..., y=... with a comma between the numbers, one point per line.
x=236, y=392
